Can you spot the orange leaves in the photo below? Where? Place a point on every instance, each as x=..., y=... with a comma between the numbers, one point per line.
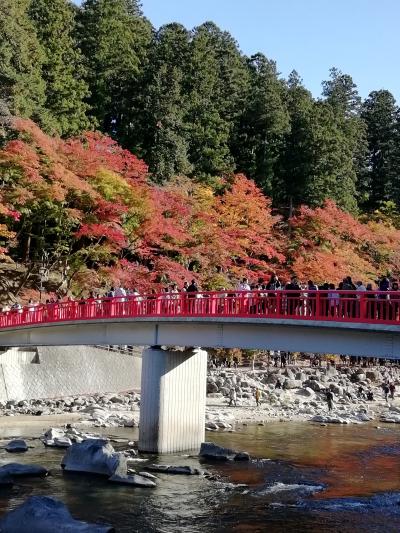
x=328, y=244
x=113, y=225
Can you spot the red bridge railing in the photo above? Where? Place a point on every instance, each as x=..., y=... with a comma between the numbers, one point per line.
x=339, y=306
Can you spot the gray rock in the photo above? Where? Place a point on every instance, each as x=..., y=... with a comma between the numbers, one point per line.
x=132, y=479
x=54, y=433
x=18, y=470
x=62, y=442
x=211, y=387
x=241, y=456
x=41, y=514
x=316, y=386
x=291, y=384
x=94, y=456
x=16, y=446
x=148, y=475
x=168, y=469
x=212, y=452
x=336, y=389
x=6, y=480
x=373, y=375
x=306, y=392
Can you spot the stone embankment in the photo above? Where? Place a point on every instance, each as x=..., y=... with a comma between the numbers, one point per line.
x=300, y=394
x=302, y=398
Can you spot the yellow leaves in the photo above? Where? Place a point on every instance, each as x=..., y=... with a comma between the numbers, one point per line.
x=111, y=185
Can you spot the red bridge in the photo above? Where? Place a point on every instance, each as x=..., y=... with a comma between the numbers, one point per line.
x=173, y=385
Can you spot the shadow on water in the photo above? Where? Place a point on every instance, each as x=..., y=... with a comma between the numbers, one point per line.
x=306, y=478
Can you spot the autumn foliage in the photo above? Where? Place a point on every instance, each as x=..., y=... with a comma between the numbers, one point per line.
x=88, y=204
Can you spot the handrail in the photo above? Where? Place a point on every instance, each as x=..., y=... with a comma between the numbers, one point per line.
x=381, y=307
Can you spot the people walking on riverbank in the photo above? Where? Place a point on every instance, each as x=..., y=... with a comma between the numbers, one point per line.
x=232, y=397
x=392, y=389
x=329, y=399
x=386, y=390
x=257, y=396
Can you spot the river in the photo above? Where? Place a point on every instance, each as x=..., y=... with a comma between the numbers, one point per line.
x=305, y=478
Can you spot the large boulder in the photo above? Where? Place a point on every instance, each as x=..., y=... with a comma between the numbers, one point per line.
x=316, y=386
x=374, y=375
x=94, y=456
x=6, y=480
x=18, y=470
x=291, y=384
x=336, y=389
x=41, y=514
x=212, y=387
x=16, y=446
x=212, y=452
x=306, y=392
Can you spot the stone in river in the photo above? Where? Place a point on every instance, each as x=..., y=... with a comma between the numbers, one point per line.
x=242, y=456
x=62, y=442
x=16, y=469
x=131, y=479
x=212, y=452
x=148, y=475
x=6, y=480
x=168, y=469
x=54, y=433
x=42, y=514
x=94, y=456
x=16, y=446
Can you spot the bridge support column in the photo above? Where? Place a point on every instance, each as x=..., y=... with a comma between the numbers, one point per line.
x=173, y=399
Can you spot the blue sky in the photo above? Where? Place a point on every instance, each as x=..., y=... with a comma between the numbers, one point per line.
x=360, y=37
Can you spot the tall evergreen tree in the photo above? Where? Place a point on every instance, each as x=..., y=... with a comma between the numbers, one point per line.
x=342, y=97
x=263, y=123
x=295, y=170
x=114, y=38
x=215, y=83
x=21, y=58
x=167, y=103
x=381, y=115
x=63, y=69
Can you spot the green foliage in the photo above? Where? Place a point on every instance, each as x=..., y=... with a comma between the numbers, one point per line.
x=263, y=124
x=63, y=70
x=21, y=60
x=114, y=38
x=167, y=104
x=382, y=175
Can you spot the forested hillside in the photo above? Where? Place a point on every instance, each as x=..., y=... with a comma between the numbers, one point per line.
x=148, y=155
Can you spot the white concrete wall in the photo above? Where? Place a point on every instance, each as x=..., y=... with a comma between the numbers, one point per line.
x=69, y=371
x=19, y=355
x=172, y=405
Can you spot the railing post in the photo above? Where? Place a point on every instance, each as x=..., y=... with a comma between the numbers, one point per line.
x=279, y=303
x=363, y=306
x=317, y=304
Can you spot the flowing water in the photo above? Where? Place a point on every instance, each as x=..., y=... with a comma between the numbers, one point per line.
x=305, y=478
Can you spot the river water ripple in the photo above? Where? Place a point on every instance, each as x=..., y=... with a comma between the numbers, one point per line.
x=305, y=478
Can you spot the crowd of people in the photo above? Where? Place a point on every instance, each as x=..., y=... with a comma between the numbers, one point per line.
x=346, y=299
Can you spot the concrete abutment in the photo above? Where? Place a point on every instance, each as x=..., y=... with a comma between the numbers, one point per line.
x=173, y=399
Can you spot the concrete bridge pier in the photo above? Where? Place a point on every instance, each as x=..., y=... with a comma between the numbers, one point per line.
x=173, y=400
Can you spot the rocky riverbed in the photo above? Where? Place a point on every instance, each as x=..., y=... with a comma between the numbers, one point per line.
x=301, y=398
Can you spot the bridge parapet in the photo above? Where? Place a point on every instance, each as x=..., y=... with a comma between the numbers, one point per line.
x=374, y=307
